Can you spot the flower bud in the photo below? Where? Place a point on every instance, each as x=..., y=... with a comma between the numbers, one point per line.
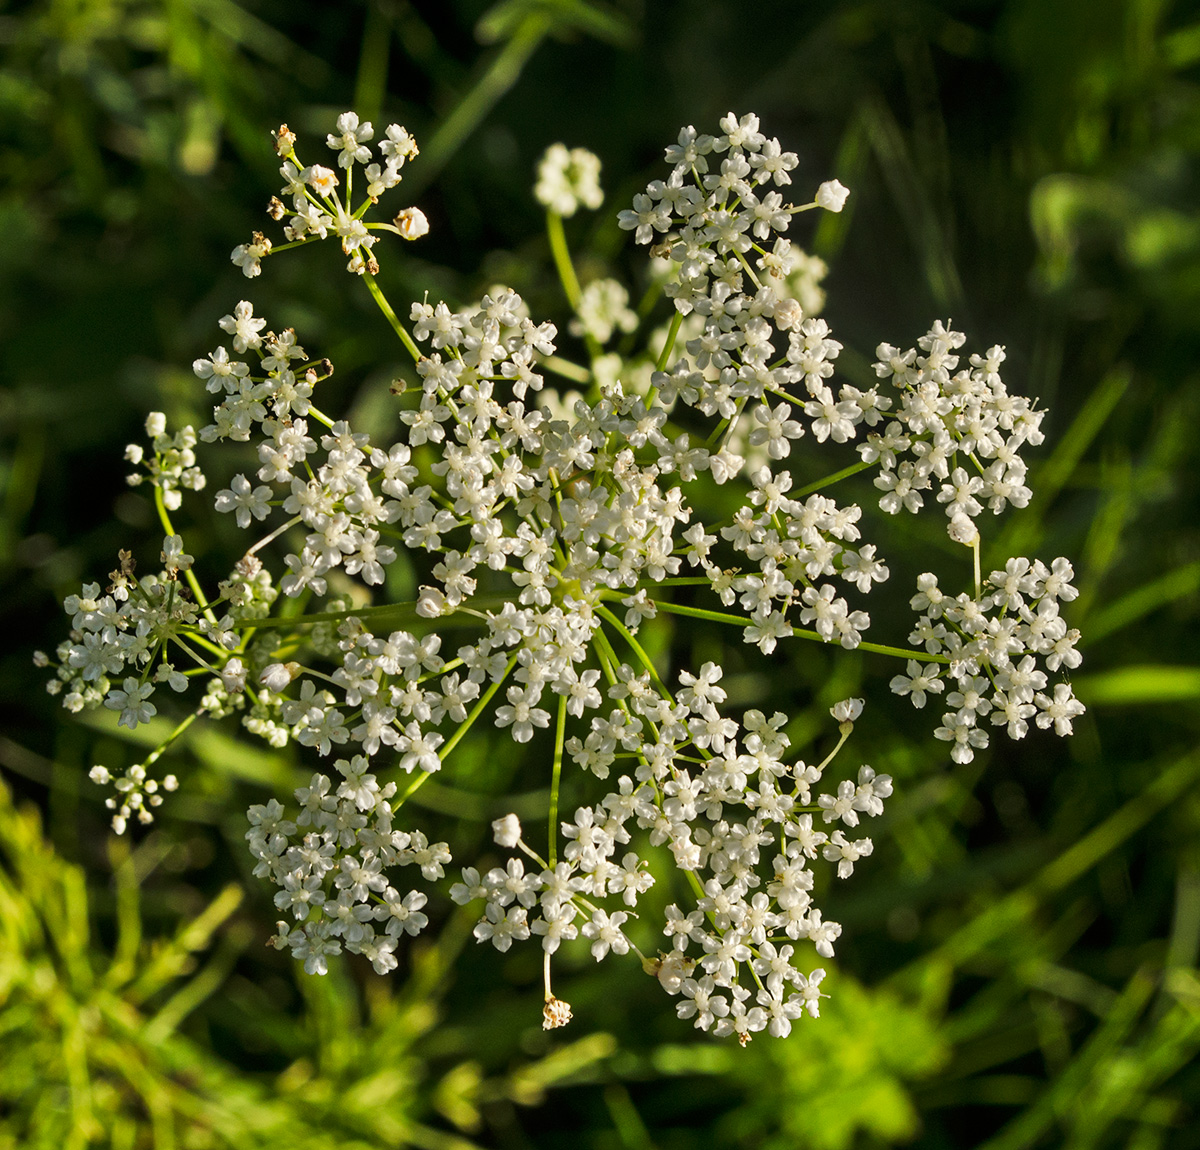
x=962, y=529
x=831, y=196
x=277, y=676
x=507, y=831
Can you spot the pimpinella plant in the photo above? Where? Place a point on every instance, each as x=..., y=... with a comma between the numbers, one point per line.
x=552, y=527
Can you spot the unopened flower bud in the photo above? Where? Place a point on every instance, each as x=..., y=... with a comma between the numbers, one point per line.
x=962, y=529
x=831, y=196
x=233, y=675
x=788, y=315
x=277, y=676
x=507, y=831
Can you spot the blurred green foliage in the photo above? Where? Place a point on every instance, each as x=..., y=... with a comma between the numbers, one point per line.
x=1024, y=945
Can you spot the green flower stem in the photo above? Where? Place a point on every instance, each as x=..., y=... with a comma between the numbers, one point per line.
x=845, y=732
x=320, y=417
x=392, y=318
x=457, y=737
x=560, y=730
x=669, y=346
x=197, y=659
x=567, y=276
x=274, y=534
x=402, y=612
x=829, y=480
x=677, y=581
x=562, y=259
x=738, y=621
x=156, y=754
x=637, y=648
x=276, y=248
x=606, y=654
x=201, y=641
x=189, y=574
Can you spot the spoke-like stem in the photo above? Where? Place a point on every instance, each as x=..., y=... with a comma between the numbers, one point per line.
x=156, y=754
x=456, y=738
x=567, y=276
x=637, y=648
x=401, y=612
x=392, y=318
x=669, y=346
x=189, y=574
x=848, y=728
x=738, y=621
x=274, y=535
x=829, y=480
x=562, y=259
x=568, y=370
x=560, y=730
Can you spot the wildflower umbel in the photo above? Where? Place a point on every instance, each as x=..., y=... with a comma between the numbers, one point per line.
x=556, y=528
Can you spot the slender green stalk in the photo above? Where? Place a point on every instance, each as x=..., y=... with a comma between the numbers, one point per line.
x=156, y=754
x=562, y=259
x=189, y=574
x=560, y=730
x=738, y=621
x=567, y=276
x=457, y=737
x=669, y=346
x=613, y=621
x=401, y=612
x=568, y=370
x=829, y=480
x=392, y=318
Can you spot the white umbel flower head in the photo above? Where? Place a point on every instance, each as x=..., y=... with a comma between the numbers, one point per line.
x=568, y=178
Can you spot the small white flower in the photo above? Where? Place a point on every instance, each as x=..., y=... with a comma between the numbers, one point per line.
x=847, y=711
x=412, y=224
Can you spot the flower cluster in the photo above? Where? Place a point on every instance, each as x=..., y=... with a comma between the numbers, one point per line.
x=994, y=643
x=737, y=818
x=547, y=529
x=943, y=415
x=568, y=179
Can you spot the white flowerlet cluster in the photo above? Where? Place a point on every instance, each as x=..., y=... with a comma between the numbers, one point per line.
x=568, y=179
x=995, y=643
x=328, y=863
x=319, y=210
x=136, y=793
x=544, y=529
x=603, y=310
x=173, y=467
x=944, y=415
x=733, y=814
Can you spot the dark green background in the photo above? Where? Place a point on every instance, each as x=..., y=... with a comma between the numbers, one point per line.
x=1019, y=962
